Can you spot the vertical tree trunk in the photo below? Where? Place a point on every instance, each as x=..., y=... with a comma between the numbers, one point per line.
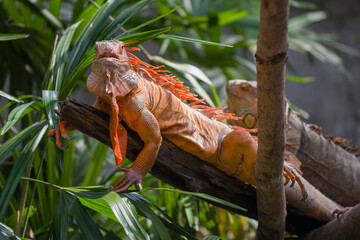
x=271, y=59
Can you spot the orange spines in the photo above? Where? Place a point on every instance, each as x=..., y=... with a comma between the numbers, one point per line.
x=171, y=83
x=197, y=102
x=130, y=43
x=131, y=48
x=245, y=129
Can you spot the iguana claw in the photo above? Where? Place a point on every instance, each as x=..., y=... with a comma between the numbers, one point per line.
x=51, y=136
x=138, y=186
x=68, y=137
x=64, y=147
x=132, y=176
x=292, y=183
x=290, y=174
x=57, y=111
x=339, y=212
x=59, y=132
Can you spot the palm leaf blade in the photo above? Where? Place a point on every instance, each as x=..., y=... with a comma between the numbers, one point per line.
x=8, y=37
x=17, y=171
x=15, y=115
x=125, y=215
x=18, y=138
x=143, y=206
x=87, y=225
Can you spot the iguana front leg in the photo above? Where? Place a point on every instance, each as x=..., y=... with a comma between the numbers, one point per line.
x=60, y=131
x=148, y=129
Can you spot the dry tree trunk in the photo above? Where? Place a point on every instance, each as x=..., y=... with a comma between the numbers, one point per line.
x=326, y=165
x=345, y=227
x=315, y=205
x=186, y=172
x=271, y=59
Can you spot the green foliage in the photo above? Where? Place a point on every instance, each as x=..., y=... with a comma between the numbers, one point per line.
x=7, y=233
x=52, y=44
x=206, y=197
x=7, y=37
x=15, y=115
x=236, y=23
x=18, y=169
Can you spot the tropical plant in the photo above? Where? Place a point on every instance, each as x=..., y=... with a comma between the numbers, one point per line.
x=46, y=50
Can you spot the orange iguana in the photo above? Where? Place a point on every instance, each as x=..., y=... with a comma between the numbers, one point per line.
x=326, y=162
x=151, y=103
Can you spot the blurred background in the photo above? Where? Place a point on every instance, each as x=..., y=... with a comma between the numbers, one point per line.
x=332, y=99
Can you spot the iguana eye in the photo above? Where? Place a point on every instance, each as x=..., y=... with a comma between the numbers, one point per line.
x=96, y=47
x=249, y=120
x=121, y=47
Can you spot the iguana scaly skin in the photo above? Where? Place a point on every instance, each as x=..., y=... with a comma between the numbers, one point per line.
x=153, y=112
x=326, y=162
x=129, y=92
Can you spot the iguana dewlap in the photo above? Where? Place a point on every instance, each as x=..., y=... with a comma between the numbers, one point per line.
x=129, y=92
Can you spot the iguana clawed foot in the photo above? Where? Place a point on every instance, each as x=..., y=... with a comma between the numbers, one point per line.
x=132, y=176
x=339, y=212
x=59, y=132
x=291, y=175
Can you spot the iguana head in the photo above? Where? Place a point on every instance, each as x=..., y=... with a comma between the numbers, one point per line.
x=112, y=68
x=242, y=100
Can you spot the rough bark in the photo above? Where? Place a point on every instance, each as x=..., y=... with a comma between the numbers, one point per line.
x=328, y=166
x=186, y=172
x=271, y=59
x=315, y=205
x=346, y=227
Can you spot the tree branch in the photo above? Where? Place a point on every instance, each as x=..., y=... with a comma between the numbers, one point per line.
x=330, y=166
x=327, y=166
x=271, y=59
x=186, y=172
x=346, y=227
